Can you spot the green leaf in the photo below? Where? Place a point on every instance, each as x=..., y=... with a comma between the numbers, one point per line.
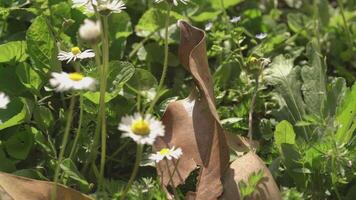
x=284, y=134
x=29, y=77
x=15, y=113
x=13, y=51
x=41, y=46
x=6, y=164
x=143, y=80
x=119, y=74
x=299, y=23
x=227, y=3
x=346, y=117
x=120, y=29
x=153, y=20
x=70, y=170
x=314, y=75
x=292, y=161
x=19, y=144
x=10, y=82
x=43, y=117
x=287, y=81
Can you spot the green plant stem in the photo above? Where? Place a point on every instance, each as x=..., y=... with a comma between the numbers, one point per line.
x=348, y=33
x=252, y=108
x=165, y=63
x=63, y=145
x=166, y=50
x=93, y=153
x=171, y=181
x=81, y=112
x=139, y=152
x=102, y=98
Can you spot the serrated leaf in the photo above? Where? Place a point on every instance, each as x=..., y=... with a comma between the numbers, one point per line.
x=13, y=52
x=313, y=76
x=41, y=47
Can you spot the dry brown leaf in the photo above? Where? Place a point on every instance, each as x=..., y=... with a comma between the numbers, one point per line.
x=240, y=144
x=240, y=170
x=193, y=124
x=19, y=188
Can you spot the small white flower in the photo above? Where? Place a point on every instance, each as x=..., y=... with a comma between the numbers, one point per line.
x=175, y=2
x=75, y=54
x=208, y=26
x=261, y=36
x=265, y=61
x=115, y=6
x=235, y=19
x=73, y=81
x=4, y=100
x=166, y=153
x=142, y=129
x=90, y=30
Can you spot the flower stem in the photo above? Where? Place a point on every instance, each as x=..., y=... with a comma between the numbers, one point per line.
x=102, y=99
x=79, y=127
x=63, y=145
x=134, y=172
x=166, y=50
x=171, y=181
x=165, y=63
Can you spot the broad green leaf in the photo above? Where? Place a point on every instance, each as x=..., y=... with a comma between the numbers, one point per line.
x=70, y=169
x=153, y=20
x=15, y=113
x=13, y=51
x=120, y=29
x=287, y=81
x=284, y=134
x=41, y=46
x=43, y=117
x=336, y=92
x=346, y=117
x=119, y=74
x=19, y=144
x=227, y=3
x=10, y=82
x=299, y=23
x=142, y=80
x=29, y=77
x=30, y=173
x=314, y=83
x=6, y=164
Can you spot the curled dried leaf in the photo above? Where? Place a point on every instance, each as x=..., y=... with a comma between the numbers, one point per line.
x=20, y=188
x=240, y=170
x=193, y=125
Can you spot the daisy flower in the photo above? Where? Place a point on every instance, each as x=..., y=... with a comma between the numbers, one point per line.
x=235, y=19
x=75, y=54
x=166, y=153
x=141, y=129
x=115, y=6
x=175, y=2
x=90, y=30
x=261, y=36
x=73, y=81
x=4, y=100
x=208, y=26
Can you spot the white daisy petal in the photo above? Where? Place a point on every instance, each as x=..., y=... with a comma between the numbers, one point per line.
x=90, y=30
x=4, y=100
x=261, y=36
x=167, y=153
x=62, y=82
x=75, y=54
x=142, y=129
x=115, y=6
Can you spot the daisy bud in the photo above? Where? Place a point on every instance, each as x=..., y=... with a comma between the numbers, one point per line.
x=90, y=30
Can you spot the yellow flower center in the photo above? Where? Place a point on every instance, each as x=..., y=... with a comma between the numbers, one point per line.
x=76, y=76
x=75, y=51
x=164, y=152
x=140, y=127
